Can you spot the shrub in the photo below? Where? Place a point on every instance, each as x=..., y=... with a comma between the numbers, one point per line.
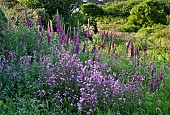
x=113, y=9
x=147, y=13
x=3, y=24
x=129, y=28
x=30, y=3
x=119, y=9
x=91, y=10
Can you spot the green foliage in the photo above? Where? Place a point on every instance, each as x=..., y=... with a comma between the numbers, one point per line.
x=3, y=20
x=113, y=9
x=91, y=9
x=147, y=13
x=13, y=43
x=129, y=28
x=119, y=9
x=16, y=15
x=3, y=24
x=75, y=17
x=30, y=3
x=63, y=6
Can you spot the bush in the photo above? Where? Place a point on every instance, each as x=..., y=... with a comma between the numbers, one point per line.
x=16, y=15
x=129, y=28
x=119, y=9
x=147, y=13
x=91, y=10
x=3, y=21
x=30, y=3
x=3, y=24
x=113, y=9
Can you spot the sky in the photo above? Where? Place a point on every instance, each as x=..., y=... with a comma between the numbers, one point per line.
x=87, y=0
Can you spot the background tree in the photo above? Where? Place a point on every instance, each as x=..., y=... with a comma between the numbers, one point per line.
x=148, y=13
x=64, y=7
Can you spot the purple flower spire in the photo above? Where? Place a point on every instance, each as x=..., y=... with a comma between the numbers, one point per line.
x=103, y=34
x=113, y=45
x=102, y=45
x=23, y=39
x=137, y=50
x=128, y=45
x=161, y=77
x=67, y=41
x=62, y=39
x=50, y=29
x=28, y=21
x=58, y=26
x=87, y=34
x=76, y=50
x=39, y=24
x=106, y=35
x=49, y=39
x=109, y=48
x=132, y=51
x=93, y=49
x=145, y=47
x=153, y=71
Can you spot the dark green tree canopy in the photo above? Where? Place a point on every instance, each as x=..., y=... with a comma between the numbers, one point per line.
x=63, y=6
x=91, y=9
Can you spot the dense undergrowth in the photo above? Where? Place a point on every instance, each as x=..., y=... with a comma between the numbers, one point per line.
x=54, y=72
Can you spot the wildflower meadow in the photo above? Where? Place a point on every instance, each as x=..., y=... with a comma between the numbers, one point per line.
x=60, y=71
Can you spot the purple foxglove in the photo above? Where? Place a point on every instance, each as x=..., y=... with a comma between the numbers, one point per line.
x=128, y=45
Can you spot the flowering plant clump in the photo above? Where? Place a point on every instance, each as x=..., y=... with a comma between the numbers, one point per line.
x=84, y=87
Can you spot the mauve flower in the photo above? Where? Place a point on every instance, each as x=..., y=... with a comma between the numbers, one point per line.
x=114, y=74
x=97, y=56
x=71, y=105
x=142, y=79
x=44, y=60
x=79, y=106
x=169, y=48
